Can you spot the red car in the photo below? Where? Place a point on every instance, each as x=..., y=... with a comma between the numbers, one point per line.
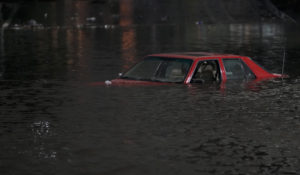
x=193, y=67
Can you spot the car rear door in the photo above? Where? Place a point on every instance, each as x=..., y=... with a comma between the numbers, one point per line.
x=236, y=69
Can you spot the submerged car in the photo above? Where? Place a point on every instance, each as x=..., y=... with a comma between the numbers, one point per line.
x=193, y=67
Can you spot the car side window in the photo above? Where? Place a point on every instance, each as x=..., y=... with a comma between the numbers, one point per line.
x=207, y=71
x=236, y=69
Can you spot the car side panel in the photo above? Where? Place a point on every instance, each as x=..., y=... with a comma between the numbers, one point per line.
x=259, y=72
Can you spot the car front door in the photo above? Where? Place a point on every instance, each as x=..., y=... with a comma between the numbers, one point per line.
x=207, y=71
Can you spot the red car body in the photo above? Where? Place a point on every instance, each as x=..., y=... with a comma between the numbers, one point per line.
x=221, y=60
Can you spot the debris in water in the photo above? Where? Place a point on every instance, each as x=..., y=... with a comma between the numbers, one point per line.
x=107, y=82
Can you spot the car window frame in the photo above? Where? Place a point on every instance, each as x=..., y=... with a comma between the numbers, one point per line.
x=219, y=71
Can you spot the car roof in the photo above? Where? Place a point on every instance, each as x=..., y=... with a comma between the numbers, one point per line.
x=193, y=55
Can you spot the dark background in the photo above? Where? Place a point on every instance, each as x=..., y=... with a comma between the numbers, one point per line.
x=53, y=122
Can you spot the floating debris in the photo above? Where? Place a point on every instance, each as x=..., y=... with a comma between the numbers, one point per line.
x=107, y=82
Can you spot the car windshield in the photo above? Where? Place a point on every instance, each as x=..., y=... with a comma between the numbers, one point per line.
x=160, y=69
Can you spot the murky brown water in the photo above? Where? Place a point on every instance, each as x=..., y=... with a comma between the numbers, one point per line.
x=52, y=122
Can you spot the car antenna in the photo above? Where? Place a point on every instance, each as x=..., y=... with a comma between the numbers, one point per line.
x=283, y=58
x=283, y=61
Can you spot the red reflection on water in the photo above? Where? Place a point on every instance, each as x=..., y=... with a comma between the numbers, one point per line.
x=77, y=44
x=126, y=12
x=128, y=44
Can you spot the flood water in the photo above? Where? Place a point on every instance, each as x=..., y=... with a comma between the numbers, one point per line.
x=53, y=122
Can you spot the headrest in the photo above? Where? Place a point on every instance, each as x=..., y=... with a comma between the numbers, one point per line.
x=176, y=72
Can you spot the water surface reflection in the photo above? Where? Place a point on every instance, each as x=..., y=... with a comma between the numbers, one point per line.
x=51, y=122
